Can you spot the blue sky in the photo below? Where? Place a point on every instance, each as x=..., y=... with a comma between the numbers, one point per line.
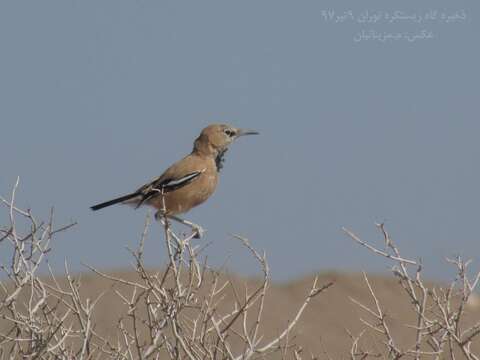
x=99, y=97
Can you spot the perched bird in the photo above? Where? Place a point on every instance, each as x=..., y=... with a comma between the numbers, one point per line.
x=188, y=182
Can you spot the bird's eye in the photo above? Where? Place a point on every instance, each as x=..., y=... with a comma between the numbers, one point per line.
x=229, y=132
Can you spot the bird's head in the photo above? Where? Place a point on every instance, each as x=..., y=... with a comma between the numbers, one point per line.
x=215, y=138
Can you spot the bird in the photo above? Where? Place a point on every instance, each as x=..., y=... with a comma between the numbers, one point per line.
x=188, y=182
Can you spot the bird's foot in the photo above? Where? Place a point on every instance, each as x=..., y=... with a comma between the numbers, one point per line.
x=159, y=216
x=198, y=231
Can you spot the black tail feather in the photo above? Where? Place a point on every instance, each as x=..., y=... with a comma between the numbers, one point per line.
x=114, y=201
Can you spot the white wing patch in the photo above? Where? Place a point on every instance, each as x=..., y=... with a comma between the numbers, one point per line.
x=173, y=184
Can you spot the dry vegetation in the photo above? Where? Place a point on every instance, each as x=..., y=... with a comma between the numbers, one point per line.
x=188, y=310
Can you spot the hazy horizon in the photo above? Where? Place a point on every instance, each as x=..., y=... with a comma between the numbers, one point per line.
x=99, y=97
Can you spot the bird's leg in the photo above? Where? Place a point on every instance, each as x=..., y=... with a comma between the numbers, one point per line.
x=159, y=216
x=199, y=231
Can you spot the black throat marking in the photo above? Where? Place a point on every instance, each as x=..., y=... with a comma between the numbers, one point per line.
x=220, y=159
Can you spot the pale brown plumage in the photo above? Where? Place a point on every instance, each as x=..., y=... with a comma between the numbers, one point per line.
x=188, y=182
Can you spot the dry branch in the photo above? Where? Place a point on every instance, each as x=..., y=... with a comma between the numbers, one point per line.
x=440, y=327
x=176, y=313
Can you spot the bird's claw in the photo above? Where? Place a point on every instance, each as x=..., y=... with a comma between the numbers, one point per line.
x=198, y=231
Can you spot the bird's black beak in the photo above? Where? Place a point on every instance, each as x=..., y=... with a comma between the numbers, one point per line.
x=243, y=132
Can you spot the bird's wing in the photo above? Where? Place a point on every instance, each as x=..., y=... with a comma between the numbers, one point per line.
x=174, y=183
x=166, y=183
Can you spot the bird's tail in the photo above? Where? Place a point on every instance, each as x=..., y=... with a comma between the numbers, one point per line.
x=120, y=199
